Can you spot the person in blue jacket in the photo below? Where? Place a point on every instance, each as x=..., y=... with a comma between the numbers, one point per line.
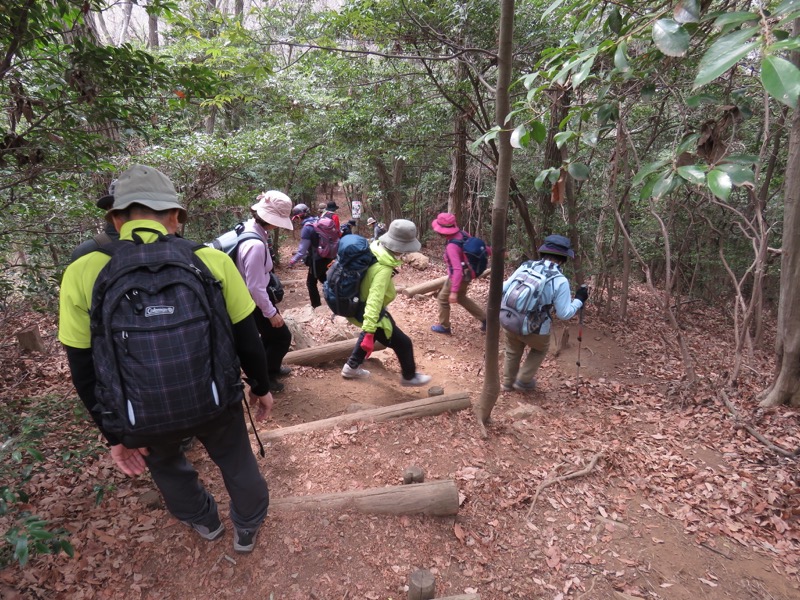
x=552, y=255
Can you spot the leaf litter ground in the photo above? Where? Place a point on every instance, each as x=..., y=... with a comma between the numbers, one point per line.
x=681, y=504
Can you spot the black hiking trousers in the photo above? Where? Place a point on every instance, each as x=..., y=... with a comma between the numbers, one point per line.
x=276, y=342
x=317, y=272
x=401, y=344
x=227, y=443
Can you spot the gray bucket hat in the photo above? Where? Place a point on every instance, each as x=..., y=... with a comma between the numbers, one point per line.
x=146, y=186
x=401, y=237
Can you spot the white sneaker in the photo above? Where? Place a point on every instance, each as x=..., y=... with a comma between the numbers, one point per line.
x=417, y=380
x=349, y=372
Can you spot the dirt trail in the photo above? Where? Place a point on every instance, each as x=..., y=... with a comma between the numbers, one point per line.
x=680, y=505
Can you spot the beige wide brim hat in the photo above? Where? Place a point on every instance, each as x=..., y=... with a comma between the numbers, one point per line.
x=275, y=208
x=401, y=237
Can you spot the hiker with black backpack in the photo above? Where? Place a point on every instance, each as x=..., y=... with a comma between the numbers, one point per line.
x=156, y=330
x=530, y=295
x=319, y=242
x=376, y=292
x=254, y=261
x=460, y=272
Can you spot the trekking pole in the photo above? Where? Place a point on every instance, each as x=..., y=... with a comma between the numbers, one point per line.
x=580, y=339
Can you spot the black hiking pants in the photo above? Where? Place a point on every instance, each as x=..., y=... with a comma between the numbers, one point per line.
x=276, y=341
x=317, y=272
x=228, y=444
x=401, y=344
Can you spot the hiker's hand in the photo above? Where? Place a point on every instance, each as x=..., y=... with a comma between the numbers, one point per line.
x=453, y=299
x=265, y=403
x=582, y=294
x=368, y=344
x=276, y=320
x=129, y=460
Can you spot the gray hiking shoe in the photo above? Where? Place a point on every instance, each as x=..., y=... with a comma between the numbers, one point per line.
x=244, y=540
x=417, y=380
x=349, y=372
x=524, y=387
x=210, y=530
x=507, y=387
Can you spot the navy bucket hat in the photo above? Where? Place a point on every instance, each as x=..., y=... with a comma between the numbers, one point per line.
x=558, y=245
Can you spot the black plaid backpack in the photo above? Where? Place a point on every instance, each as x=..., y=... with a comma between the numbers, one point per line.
x=162, y=341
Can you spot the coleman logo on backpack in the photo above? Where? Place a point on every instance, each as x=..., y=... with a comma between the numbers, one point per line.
x=521, y=309
x=342, y=286
x=162, y=341
x=328, y=234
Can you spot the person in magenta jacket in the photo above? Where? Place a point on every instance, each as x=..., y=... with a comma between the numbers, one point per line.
x=459, y=275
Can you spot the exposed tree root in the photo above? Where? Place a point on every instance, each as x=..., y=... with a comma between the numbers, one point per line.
x=752, y=430
x=585, y=471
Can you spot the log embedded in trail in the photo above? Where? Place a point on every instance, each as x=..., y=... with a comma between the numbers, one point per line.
x=425, y=407
x=433, y=285
x=437, y=498
x=325, y=353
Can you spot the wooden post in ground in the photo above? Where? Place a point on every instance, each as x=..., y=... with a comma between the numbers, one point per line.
x=435, y=498
x=324, y=353
x=424, y=407
x=421, y=585
x=29, y=339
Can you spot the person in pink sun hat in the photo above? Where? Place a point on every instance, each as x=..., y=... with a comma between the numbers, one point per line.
x=459, y=275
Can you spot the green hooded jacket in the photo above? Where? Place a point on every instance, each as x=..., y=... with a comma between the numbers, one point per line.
x=378, y=288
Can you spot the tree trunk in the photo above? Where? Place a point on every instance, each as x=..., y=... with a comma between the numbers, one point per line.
x=390, y=186
x=152, y=31
x=491, y=381
x=126, y=21
x=458, y=169
x=786, y=387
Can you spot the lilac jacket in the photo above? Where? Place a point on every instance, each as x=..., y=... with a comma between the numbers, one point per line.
x=255, y=264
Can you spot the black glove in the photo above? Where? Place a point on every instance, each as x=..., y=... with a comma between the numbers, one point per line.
x=582, y=294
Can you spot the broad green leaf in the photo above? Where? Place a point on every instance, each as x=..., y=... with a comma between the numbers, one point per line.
x=699, y=99
x=739, y=174
x=583, y=73
x=781, y=79
x=520, y=137
x=551, y=8
x=647, y=189
x=562, y=137
x=578, y=171
x=670, y=37
x=720, y=184
x=687, y=143
x=741, y=159
x=538, y=131
x=786, y=7
x=551, y=175
x=791, y=44
x=693, y=174
x=606, y=113
x=614, y=21
x=647, y=170
x=687, y=11
x=620, y=57
x=723, y=54
x=663, y=184
x=735, y=18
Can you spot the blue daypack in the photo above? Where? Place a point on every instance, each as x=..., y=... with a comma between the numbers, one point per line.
x=474, y=249
x=343, y=284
